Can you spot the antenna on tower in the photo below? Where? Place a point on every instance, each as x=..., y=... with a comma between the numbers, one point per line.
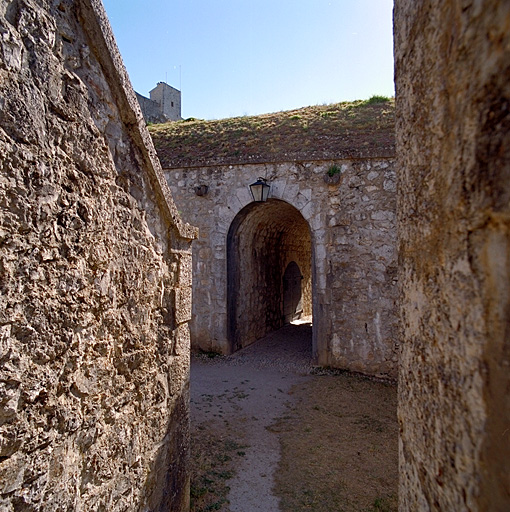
x=180, y=78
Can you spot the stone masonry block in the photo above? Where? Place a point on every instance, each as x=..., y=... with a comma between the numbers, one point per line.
x=277, y=188
x=183, y=297
x=185, y=270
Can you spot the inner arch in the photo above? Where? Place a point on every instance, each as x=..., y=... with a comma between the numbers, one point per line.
x=263, y=239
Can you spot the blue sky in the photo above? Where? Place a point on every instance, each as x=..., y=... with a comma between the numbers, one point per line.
x=247, y=57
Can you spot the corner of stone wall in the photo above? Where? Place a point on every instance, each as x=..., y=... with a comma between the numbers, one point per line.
x=170, y=478
x=101, y=37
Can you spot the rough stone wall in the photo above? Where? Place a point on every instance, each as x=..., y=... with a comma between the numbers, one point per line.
x=151, y=111
x=353, y=235
x=94, y=277
x=453, y=140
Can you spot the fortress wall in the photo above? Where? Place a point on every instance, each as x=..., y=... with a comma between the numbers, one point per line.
x=150, y=110
x=453, y=145
x=352, y=223
x=94, y=277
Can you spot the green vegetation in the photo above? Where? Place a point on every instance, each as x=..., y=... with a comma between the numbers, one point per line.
x=328, y=113
x=386, y=504
x=209, y=354
x=211, y=468
x=347, y=129
x=377, y=99
x=334, y=169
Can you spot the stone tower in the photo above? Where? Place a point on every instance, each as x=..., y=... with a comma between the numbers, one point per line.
x=168, y=99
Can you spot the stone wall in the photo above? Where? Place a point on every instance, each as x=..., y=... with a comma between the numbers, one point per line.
x=94, y=277
x=453, y=146
x=151, y=111
x=350, y=224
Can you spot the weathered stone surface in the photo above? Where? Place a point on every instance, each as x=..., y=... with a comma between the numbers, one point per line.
x=453, y=147
x=94, y=368
x=349, y=281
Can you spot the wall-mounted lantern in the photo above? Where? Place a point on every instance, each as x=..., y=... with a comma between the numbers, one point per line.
x=260, y=190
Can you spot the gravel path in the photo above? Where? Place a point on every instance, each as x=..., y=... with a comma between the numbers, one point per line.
x=242, y=395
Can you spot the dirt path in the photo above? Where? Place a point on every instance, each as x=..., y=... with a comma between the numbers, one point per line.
x=268, y=435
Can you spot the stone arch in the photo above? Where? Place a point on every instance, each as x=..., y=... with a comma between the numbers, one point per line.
x=263, y=239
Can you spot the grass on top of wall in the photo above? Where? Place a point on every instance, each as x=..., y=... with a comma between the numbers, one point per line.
x=363, y=128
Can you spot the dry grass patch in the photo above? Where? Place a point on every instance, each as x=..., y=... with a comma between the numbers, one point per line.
x=339, y=447
x=342, y=130
x=213, y=462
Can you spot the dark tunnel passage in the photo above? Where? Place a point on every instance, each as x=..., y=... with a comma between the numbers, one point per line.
x=264, y=241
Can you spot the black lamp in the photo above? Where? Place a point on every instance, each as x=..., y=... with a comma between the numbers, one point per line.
x=260, y=190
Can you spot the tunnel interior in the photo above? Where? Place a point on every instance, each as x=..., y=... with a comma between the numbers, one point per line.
x=269, y=271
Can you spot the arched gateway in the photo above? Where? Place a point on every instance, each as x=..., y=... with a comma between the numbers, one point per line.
x=268, y=246
x=339, y=230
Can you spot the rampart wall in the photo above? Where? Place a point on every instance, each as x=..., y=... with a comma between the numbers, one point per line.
x=95, y=276
x=151, y=111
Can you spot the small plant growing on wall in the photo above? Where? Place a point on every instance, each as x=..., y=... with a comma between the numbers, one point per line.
x=333, y=175
x=334, y=169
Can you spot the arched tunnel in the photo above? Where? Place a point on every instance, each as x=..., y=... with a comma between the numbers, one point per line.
x=269, y=270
